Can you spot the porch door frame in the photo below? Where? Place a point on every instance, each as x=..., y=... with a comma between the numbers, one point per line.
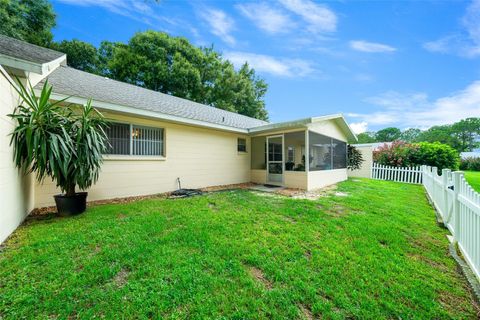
x=267, y=179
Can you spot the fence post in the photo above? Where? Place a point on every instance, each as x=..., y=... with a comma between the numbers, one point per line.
x=457, y=178
x=445, y=173
x=434, y=183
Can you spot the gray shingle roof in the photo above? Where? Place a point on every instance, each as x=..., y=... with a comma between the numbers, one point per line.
x=26, y=51
x=72, y=82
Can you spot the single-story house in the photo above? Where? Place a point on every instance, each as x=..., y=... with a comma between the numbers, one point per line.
x=158, y=139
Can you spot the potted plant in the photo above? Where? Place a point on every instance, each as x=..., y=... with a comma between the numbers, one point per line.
x=63, y=143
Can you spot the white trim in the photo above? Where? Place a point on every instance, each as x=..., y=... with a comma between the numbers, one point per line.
x=268, y=160
x=126, y=157
x=29, y=66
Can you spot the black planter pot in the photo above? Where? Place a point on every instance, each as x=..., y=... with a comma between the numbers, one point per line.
x=71, y=205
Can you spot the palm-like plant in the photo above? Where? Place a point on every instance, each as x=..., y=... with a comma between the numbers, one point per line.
x=61, y=142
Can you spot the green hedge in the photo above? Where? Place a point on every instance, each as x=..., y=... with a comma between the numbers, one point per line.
x=401, y=154
x=470, y=164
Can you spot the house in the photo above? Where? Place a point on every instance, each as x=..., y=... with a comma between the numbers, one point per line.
x=157, y=139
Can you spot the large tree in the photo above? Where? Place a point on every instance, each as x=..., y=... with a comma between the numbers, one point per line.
x=467, y=132
x=388, y=134
x=28, y=20
x=172, y=65
x=80, y=55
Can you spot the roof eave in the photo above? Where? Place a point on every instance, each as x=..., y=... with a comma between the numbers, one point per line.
x=29, y=66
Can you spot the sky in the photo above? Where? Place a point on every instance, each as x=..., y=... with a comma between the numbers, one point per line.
x=409, y=64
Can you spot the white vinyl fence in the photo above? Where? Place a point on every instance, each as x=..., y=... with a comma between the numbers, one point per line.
x=454, y=199
x=398, y=174
x=459, y=206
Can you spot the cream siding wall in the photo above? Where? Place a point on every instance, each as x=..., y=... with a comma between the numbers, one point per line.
x=258, y=176
x=365, y=170
x=16, y=192
x=323, y=178
x=296, y=179
x=199, y=157
x=328, y=128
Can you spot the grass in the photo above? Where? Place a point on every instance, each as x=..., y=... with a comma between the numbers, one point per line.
x=473, y=178
x=375, y=254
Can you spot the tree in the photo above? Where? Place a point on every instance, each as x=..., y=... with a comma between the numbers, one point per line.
x=467, y=131
x=366, y=137
x=172, y=65
x=80, y=55
x=410, y=135
x=28, y=20
x=388, y=134
x=442, y=134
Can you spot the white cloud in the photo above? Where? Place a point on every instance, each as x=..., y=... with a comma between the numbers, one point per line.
x=416, y=110
x=365, y=46
x=465, y=42
x=138, y=10
x=318, y=17
x=359, y=127
x=284, y=67
x=266, y=17
x=220, y=24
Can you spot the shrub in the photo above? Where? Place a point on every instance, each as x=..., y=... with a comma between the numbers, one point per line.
x=437, y=154
x=354, y=158
x=470, y=164
x=396, y=154
x=401, y=154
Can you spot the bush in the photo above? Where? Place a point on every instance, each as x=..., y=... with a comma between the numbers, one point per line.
x=396, y=154
x=438, y=155
x=470, y=164
x=354, y=158
x=401, y=154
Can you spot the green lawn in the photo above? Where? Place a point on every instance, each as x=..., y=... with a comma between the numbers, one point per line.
x=375, y=254
x=473, y=178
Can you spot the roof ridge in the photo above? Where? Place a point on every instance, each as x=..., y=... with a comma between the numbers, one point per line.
x=202, y=105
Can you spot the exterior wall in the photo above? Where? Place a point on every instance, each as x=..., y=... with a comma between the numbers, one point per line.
x=365, y=170
x=323, y=178
x=295, y=179
x=258, y=176
x=16, y=189
x=199, y=157
x=328, y=128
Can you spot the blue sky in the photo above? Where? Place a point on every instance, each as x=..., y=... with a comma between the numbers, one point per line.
x=380, y=63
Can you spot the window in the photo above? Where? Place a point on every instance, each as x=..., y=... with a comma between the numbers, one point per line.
x=326, y=153
x=291, y=154
x=339, y=154
x=128, y=139
x=242, y=145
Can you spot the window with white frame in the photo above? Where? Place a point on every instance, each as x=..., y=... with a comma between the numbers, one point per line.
x=129, y=139
x=242, y=145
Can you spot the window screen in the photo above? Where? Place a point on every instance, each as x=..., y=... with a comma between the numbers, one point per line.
x=126, y=139
x=242, y=145
x=119, y=138
x=339, y=154
x=147, y=141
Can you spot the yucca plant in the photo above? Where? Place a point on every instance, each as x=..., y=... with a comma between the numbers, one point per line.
x=62, y=142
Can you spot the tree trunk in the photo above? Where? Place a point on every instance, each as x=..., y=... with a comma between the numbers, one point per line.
x=70, y=190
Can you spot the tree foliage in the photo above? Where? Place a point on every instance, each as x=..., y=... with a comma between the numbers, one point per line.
x=80, y=55
x=172, y=65
x=51, y=140
x=28, y=20
x=388, y=134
